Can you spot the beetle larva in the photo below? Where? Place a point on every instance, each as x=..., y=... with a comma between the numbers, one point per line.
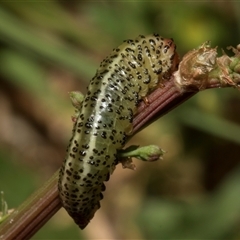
x=123, y=79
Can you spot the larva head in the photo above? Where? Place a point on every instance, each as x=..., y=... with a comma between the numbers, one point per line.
x=160, y=58
x=164, y=57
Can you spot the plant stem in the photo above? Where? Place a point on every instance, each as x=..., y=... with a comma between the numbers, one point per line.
x=27, y=219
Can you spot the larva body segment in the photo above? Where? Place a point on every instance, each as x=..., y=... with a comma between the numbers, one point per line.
x=127, y=75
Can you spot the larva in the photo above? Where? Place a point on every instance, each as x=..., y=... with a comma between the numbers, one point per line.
x=124, y=78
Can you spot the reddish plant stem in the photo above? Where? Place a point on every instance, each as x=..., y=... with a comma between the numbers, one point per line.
x=26, y=220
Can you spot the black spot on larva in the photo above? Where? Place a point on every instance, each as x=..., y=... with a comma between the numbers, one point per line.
x=139, y=56
x=76, y=177
x=80, y=124
x=73, y=195
x=94, y=98
x=95, y=150
x=111, y=138
x=158, y=71
x=91, y=162
x=147, y=79
x=85, y=146
x=68, y=173
x=132, y=65
x=166, y=48
x=82, y=153
x=89, y=175
x=89, y=182
x=103, y=135
x=129, y=41
x=130, y=50
x=114, y=56
x=104, y=163
x=74, y=149
x=66, y=193
x=75, y=190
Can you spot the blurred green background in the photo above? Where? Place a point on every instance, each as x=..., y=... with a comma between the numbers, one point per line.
x=50, y=48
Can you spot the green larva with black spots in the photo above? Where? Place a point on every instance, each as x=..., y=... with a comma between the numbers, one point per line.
x=124, y=78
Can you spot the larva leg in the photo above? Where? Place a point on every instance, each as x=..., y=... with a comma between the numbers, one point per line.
x=147, y=153
x=145, y=99
x=127, y=163
x=76, y=99
x=161, y=85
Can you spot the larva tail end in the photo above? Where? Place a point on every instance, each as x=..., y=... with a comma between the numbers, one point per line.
x=83, y=217
x=82, y=224
x=80, y=220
